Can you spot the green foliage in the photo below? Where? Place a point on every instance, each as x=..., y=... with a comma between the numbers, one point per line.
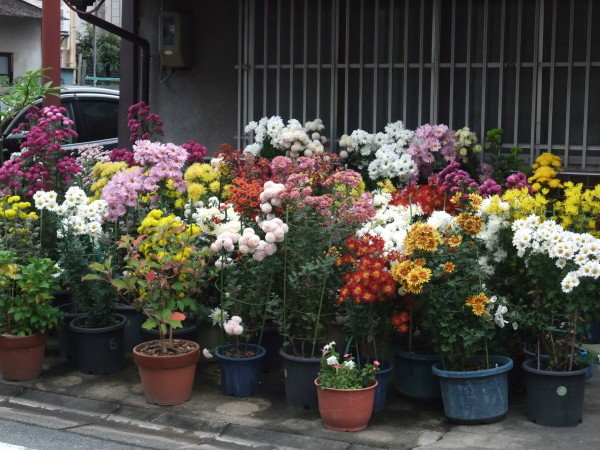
x=26, y=295
x=108, y=48
x=346, y=373
x=157, y=280
x=503, y=163
x=23, y=92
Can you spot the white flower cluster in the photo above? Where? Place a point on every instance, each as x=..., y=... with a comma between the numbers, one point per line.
x=390, y=222
x=493, y=224
x=269, y=197
x=292, y=138
x=383, y=152
x=77, y=214
x=233, y=327
x=501, y=310
x=212, y=218
x=547, y=237
x=251, y=243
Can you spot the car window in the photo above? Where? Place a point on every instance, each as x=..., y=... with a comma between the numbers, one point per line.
x=101, y=119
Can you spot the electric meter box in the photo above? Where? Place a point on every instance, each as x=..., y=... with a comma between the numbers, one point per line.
x=173, y=42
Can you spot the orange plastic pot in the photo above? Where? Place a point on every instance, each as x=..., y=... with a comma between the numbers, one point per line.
x=22, y=357
x=346, y=409
x=167, y=380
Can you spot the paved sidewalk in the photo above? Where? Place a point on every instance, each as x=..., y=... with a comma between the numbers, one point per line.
x=99, y=405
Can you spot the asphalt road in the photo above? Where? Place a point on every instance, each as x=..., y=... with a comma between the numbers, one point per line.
x=21, y=436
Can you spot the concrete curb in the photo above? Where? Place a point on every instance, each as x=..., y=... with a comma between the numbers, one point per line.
x=89, y=417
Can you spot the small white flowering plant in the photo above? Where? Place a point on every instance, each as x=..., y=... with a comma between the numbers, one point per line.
x=381, y=155
x=274, y=138
x=343, y=372
x=563, y=271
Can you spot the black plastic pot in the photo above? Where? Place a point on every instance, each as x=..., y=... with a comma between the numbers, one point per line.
x=554, y=399
x=188, y=333
x=99, y=350
x=133, y=328
x=271, y=341
x=64, y=335
x=300, y=376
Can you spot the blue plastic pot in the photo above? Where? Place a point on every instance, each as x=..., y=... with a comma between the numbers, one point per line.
x=413, y=377
x=240, y=377
x=383, y=381
x=477, y=396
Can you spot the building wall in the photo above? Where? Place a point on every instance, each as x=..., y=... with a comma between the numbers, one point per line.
x=200, y=103
x=23, y=38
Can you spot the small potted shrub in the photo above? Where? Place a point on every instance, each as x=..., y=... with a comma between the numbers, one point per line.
x=26, y=314
x=345, y=392
x=163, y=272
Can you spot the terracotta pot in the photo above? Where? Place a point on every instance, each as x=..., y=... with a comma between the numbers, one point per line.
x=346, y=409
x=21, y=358
x=167, y=380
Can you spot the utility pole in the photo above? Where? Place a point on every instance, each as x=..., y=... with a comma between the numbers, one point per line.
x=51, y=46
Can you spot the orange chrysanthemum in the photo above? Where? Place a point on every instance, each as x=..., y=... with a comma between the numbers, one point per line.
x=470, y=223
x=449, y=267
x=454, y=240
x=478, y=303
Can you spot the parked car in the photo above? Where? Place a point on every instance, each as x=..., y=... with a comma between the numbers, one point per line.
x=94, y=110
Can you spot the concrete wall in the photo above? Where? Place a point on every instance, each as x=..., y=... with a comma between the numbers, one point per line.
x=23, y=38
x=200, y=103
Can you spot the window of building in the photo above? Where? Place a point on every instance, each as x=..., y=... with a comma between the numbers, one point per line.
x=527, y=66
x=6, y=68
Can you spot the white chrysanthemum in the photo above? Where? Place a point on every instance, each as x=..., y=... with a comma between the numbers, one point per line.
x=332, y=361
x=440, y=220
x=570, y=282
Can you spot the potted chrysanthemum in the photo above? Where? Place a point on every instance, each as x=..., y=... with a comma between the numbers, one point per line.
x=346, y=391
x=445, y=265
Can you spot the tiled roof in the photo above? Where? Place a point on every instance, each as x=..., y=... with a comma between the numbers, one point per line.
x=19, y=8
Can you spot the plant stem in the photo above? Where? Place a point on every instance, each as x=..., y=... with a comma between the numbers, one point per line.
x=314, y=341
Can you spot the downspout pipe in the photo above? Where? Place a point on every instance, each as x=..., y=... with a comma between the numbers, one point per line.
x=141, y=43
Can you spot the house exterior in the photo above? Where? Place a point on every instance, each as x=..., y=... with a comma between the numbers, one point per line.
x=529, y=67
x=20, y=38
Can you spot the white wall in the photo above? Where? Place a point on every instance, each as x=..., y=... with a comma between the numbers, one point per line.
x=23, y=38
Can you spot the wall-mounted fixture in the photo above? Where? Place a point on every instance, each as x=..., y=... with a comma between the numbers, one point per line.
x=174, y=46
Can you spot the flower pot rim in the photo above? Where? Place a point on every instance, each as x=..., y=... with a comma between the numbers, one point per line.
x=287, y=356
x=261, y=351
x=555, y=373
x=506, y=362
x=136, y=352
x=373, y=385
x=14, y=337
x=415, y=355
x=75, y=327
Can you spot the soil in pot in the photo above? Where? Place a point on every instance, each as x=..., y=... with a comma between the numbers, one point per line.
x=171, y=347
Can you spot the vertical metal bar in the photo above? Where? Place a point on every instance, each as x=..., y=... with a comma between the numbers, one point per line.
x=468, y=69
x=501, y=72
x=484, y=67
x=305, y=65
x=361, y=66
x=241, y=74
x=375, y=62
x=390, y=61
x=319, y=43
x=536, y=102
x=278, y=87
x=405, y=79
x=452, y=65
x=551, y=85
x=292, y=47
x=421, y=39
x=265, y=56
x=518, y=74
x=347, y=66
x=569, y=82
x=241, y=70
x=334, y=55
x=587, y=86
x=251, y=59
x=435, y=60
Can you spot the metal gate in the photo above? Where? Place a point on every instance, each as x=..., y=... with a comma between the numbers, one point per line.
x=531, y=67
